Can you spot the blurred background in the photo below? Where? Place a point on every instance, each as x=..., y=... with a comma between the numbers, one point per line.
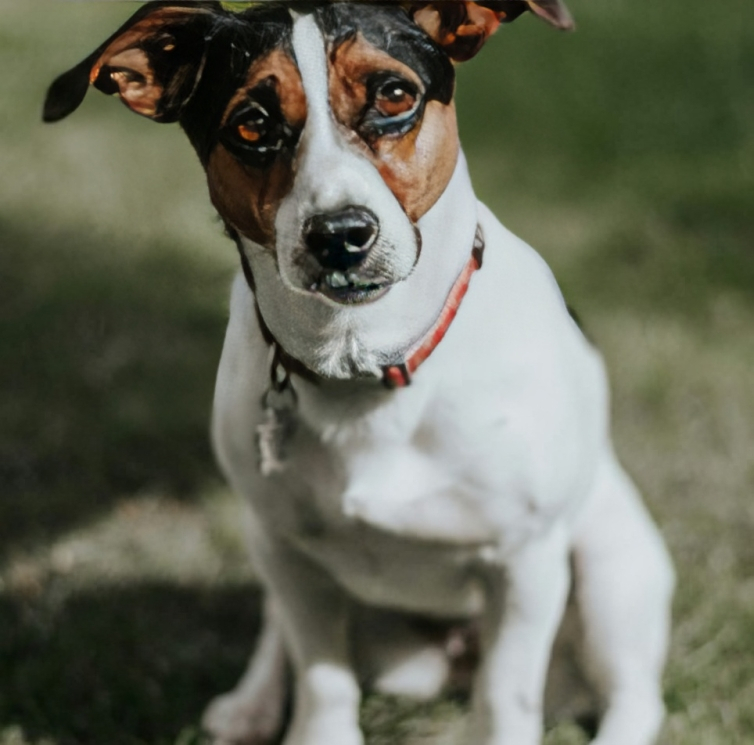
x=624, y=153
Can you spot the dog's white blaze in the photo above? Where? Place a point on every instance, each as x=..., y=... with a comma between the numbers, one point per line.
x=328, y=173
x=331, y=174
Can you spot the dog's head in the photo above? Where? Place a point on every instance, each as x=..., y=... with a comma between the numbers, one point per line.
x=327, y=131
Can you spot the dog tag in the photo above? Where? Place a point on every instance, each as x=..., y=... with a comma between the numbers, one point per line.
x=274, y=433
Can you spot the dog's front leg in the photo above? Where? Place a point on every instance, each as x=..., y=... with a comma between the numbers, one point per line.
x=313, y=613
x=525, y=604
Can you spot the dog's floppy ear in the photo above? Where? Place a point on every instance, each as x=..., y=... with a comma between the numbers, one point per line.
x=153, y=62
x=461, y=28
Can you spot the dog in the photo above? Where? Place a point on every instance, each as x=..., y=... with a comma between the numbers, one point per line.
x=418, y=424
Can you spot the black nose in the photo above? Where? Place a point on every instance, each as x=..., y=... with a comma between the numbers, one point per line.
x=341, y=240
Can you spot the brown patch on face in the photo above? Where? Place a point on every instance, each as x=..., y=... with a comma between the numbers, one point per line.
x=279, y=68
x=245, y=195
x=417, y=165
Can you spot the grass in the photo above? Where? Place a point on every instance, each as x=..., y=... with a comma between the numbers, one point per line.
x=624, y=153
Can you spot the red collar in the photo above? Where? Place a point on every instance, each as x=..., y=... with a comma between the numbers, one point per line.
x=397, y=375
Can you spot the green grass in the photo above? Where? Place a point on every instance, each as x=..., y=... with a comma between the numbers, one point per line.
x=624, y=153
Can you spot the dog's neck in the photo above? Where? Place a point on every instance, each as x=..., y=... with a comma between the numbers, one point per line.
x=344, y=343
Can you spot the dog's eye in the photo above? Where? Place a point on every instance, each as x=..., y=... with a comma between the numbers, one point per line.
x=394, y=107
x=252, y=124
x=251, y=131
x=257, y=132
x=395, y=98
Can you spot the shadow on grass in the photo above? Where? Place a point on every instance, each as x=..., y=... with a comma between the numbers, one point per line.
x=107, y=363
x=122, y=665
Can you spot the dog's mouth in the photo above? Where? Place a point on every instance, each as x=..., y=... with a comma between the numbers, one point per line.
x=348, y=288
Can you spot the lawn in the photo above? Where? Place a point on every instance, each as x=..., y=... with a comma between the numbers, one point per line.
x=623, y=152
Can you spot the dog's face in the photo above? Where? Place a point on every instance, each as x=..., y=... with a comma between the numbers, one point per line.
x=339, y=139
x=327, y=131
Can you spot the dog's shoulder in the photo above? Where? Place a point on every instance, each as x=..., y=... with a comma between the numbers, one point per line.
x=514, y=341
x=524, y=281
x=514, y=315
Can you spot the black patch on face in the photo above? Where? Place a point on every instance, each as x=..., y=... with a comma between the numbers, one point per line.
x=234, y=43
x=390, y=28
x=259, y=116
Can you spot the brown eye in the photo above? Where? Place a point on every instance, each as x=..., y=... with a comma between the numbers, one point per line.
x=252, y=125
x=394, y=107
x=249, y=132
x=394, y=99
x=256, y=132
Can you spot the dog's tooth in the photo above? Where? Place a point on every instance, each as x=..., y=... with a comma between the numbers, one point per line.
x=336, y=280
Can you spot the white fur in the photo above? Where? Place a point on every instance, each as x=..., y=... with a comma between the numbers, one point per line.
x=461, y=495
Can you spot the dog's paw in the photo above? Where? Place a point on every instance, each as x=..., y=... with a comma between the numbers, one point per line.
x=420, y=676
x=236, y=719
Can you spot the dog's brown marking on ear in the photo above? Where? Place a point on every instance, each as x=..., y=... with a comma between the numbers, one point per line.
x=131, y=73
x=461, y=28
x=153, y=62
x=417, y=165
x=128, y=65
x=248, y=197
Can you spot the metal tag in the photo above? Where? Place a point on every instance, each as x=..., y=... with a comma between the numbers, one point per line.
x=279, y=425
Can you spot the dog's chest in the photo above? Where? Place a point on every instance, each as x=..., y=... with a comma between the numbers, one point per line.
x=395, y=529
x=392, y=509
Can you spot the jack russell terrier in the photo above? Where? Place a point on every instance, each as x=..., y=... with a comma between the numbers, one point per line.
x=419, y=426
